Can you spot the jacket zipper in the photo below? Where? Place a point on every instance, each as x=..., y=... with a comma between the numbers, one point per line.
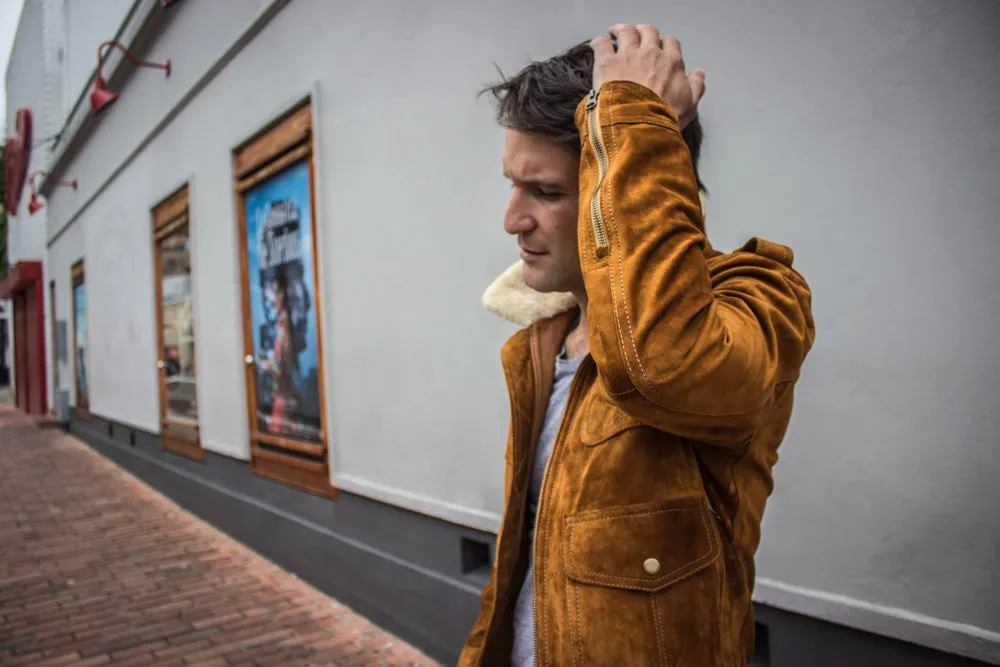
x=597, y=141
x=573, y=389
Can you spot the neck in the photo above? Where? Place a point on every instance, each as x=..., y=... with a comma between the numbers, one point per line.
x=576, y=340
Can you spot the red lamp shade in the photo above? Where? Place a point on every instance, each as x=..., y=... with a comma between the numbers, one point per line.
x=35, y=204
x=100, y=96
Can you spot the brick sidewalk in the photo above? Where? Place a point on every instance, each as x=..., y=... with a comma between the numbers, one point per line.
x=96, y=568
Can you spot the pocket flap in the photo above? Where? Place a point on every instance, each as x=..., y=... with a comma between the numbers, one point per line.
x=641, y=547
x=603, y=420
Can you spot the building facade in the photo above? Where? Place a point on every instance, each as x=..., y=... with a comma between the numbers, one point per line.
x=263, y=294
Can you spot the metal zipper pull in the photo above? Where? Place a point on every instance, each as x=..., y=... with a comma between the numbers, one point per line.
x=601, y=247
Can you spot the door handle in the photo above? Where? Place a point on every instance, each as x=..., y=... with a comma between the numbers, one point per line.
x=160, y=364
x=248, y=360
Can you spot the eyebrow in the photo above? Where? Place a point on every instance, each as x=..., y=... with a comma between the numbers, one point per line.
x=534, y=182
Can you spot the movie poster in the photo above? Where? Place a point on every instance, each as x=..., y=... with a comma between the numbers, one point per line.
x=282, y=304
x=80, y=322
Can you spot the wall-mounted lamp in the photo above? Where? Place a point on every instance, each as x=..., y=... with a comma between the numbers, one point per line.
x=100, y=96
x=35, y=204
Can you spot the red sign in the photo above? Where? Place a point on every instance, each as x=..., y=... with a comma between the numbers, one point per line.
x=18, y=157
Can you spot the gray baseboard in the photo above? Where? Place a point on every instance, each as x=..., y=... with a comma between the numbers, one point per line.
x=416, y=576
x=786, y=639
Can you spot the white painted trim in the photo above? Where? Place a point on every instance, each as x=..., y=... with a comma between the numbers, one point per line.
x=958, y=638
x=226, y=449
x=478, y=519
x=324, y=316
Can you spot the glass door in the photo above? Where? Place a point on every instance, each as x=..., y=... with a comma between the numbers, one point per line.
x=176, y=363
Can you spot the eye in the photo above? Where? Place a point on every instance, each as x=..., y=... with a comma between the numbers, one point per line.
x=547, y=194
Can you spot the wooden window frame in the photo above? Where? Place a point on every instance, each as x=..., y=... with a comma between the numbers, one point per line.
x=280, y=145
x=77, y=278
x=170, y=215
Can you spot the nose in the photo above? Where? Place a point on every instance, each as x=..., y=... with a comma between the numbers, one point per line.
x=518, y=219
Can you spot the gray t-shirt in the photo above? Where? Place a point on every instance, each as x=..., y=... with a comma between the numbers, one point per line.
x=524, y=616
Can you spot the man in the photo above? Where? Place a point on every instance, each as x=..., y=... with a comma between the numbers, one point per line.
x=651, y=387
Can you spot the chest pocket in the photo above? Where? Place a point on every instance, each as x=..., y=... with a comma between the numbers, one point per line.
x=642, y=547
x=643, y=585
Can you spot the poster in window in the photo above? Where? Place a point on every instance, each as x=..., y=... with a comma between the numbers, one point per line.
x=80, y=303
x=282, y=305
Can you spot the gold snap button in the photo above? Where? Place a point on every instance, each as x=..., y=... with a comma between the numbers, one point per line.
x=651, y=566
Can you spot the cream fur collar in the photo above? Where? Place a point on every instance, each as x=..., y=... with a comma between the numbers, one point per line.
x=511, y=298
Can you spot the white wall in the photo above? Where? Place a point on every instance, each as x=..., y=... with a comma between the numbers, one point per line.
x=32, y=82
x=878, y=149
x=59, y=261
x=48, y=65
x=864, y=135
x=25, y=86
x=86, y=24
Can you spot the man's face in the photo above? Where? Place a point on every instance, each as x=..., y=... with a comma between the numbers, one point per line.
x=542, y=210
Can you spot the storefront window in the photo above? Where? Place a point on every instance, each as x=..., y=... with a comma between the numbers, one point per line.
x=80, y=338
x=282, y=332
x=178, y=326
x=282, y=310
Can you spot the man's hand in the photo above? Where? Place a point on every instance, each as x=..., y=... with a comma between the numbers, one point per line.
x=646, y=59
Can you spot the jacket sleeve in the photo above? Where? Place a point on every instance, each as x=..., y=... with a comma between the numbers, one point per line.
x=686, y=340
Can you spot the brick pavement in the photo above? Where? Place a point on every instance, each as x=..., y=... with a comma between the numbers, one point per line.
x=97, y=568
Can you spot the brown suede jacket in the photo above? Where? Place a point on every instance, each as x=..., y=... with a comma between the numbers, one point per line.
x=651, y=504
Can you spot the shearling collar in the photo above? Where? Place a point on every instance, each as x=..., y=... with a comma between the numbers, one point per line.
x=511, y=298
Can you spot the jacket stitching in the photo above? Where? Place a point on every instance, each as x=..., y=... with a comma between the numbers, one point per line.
x=610, y=215
x=602, y=438
x=621, y=276
x=620, y=512
x=660, y=642
x=644, y=120
x=626, y=392
x=540, y=543
x=670, y=577
x=578, y=640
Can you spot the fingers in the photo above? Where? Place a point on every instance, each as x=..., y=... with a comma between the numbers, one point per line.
x=634, y=36
x=697, y=81
x=627, y=35
x=602, y=47
x=670, y=45
x=649, y=35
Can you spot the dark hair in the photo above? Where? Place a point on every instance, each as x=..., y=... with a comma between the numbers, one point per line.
x=542, y=99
